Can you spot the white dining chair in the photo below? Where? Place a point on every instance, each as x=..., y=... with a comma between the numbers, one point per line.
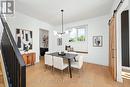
x=77, y=64
x=59, y=64
x=73, y=53
x=48, y=59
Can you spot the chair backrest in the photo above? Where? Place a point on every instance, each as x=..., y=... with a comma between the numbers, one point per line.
x=48, y=52
x=48, y=60
x=58, y=62
x=80, y=60
x=72, y=52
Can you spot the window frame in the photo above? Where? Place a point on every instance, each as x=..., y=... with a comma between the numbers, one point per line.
x=85, y=27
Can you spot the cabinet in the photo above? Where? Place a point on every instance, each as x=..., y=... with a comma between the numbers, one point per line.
x=29, y=58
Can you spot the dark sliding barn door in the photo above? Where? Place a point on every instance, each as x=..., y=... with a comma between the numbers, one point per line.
x=125, y=38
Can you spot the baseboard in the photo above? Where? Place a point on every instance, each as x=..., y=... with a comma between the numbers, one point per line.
x=126, y=68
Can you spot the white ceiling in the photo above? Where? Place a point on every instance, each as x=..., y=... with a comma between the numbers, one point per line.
x=75, y=10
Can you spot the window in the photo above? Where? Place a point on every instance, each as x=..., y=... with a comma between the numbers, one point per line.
x=78, y=33
x=73, y=35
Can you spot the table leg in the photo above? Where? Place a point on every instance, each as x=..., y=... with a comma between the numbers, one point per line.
x=69, y=61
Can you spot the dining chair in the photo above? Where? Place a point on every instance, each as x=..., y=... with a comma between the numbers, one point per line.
x=59, y=64
x=71, y=52
x=48, y=60
x=77, y=64
x=76, y=58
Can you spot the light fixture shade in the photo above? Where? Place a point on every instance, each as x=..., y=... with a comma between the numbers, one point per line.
x=66, y=32
x=55, y=33
x=59, y=35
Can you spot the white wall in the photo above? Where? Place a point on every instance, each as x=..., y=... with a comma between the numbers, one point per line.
x=22, y=21
x=96, y=26
x=1, y=27
x=115, y=4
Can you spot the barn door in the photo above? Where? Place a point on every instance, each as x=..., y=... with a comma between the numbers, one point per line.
x=112, y=48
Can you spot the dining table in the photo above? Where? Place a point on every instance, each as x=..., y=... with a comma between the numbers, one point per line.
x=69, y=56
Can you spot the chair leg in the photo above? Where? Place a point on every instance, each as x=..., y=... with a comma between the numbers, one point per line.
x=52, y=68
x=69, y=71
x=85, y=66
x=45, y=68
x=82, y=68
x=79, y=72
x=62, y=74
x=48, y=67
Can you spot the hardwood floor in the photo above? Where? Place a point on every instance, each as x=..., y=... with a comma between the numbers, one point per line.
x=91, y=76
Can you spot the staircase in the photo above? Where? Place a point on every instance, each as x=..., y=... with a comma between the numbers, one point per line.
x=12, y=63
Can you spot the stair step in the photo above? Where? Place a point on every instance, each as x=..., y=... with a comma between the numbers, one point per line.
x=0, y=71
x=1, y=85
x=1, y=77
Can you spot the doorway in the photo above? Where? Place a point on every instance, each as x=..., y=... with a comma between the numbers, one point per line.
x=125, y=44
x=43, y=41
x=125, y=38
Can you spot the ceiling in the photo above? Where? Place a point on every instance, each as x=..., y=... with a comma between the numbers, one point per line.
x=74, y=10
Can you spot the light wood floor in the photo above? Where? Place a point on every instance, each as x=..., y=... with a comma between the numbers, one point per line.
x=91, y=76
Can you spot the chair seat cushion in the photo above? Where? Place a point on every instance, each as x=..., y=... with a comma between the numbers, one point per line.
x=75, y=65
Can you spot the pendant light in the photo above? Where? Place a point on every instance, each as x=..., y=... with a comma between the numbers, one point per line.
x=60, y=34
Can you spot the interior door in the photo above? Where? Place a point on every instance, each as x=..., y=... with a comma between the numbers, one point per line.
x=112, y=48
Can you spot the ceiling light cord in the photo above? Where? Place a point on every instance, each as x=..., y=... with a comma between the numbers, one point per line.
x=60, y=34
x=62, y=21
